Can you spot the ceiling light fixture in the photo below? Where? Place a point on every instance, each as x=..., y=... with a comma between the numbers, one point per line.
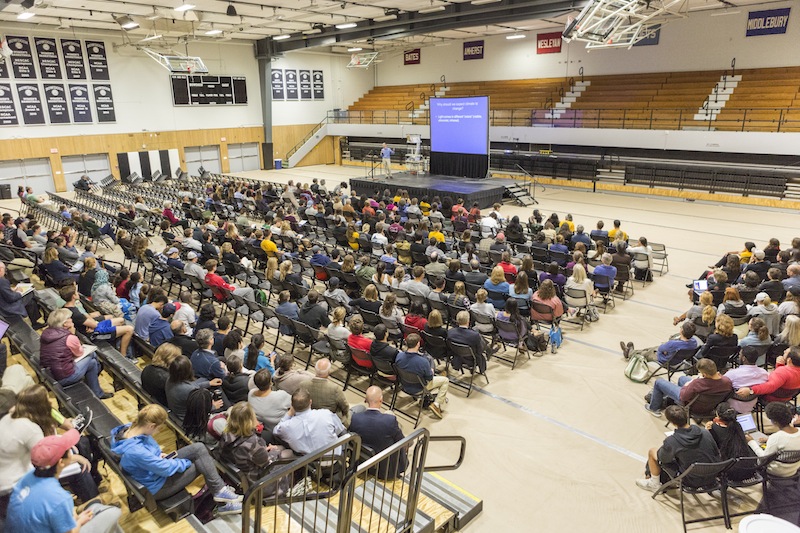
x=515, y=36
x=281, y=37
x=346, y=26
x=151, y=38
x=433, y=9
x=25, y=15
x=231, y=11
x=126, y=22
x=355, y=49
x=483, y=2
x=213, y=31
x=723, y=13
x=184, y=7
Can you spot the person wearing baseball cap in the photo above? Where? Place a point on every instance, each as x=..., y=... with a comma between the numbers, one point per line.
x=38, y=503
x=173, y=259
x=160, y=330
x=767, y=311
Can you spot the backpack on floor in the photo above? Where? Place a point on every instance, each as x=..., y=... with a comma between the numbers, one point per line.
x=261, y=296
x=637, y=370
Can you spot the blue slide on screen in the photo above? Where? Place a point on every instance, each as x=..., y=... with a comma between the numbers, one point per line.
x=460, y=125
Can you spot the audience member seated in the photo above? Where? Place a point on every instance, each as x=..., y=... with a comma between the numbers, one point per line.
x=414, y=362
x=217, y=283
x=156, y=374
x=161, y=329
x=663, y=353
x=205, y=362
x=143, y=460
x=369, y=301
x=470, y=337
x=327, y=395
x=286, y=377
x=312, y=313
x=757, y=335
x=181, y=338
x=56, y=269
x=305, y=429
x=723, y=336
x=546, y=294
x=63, y=354
x=497, y=283
x=380, y=347
x=416, y=286
x=688, y=444
x=38, y=503
x=336, y=293
x=254, y=357
x=730, y=439
x=235, y=385
x=641, y=266
x=415, y=319
x=242, y=446
x=766, y=311
x=182, y=383
x=147, y=314
x=269, y=405
x=786, y=439
x=783, y=382
x=791, y=332
x=709, y=382
x=746, y=374
x=379, y=431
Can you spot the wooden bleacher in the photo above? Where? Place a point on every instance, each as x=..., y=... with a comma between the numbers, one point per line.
x=665, y=100
x=763, y=100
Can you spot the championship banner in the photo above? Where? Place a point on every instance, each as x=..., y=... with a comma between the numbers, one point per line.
x=278, y=92
x=56, y=99
x=104, y=103
x=98, y=63
x=318, y=85
x=548, y=43
x=21, y=57
x=411, y=57
x=4, y=70
x=8, y=113
x=769, y=22
x=79, y=101
x=290, y=81
x=305, y=85
x=47, y=53
x=30, y=102
x=473, y=50
x=73, y=59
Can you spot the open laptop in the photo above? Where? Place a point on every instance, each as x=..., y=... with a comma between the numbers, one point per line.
x=700, y=286
x=749, y=427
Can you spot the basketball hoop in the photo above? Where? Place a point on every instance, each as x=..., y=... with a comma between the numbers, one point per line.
x=191, y=66
x=362, y=60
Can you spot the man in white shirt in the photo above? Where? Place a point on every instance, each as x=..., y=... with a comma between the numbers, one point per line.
x=306, y=430
x=489, y=225
x=190, y=242
x=380, y=238
x=192, y=266
x=416, y=286
x=640, y=266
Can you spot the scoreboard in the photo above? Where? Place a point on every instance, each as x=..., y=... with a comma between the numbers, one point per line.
x=208, y=90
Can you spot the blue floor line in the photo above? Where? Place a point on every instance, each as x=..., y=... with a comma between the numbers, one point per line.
x=562, y=425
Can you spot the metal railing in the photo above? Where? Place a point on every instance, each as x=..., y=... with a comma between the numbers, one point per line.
x=769, y=119
x=331, y=491
x=308, y=136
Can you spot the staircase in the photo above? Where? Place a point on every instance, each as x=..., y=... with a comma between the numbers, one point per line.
x=792, y=189
x=718, y=97
x=519, y=195
x=569, y=98
x=304, y=147
x=423, y=107
x=611, y=175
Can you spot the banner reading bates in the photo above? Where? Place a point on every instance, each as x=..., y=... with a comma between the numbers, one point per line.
x=548, y=43
x=411, y=57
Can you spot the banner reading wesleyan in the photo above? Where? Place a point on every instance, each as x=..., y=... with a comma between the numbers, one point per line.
x=770, y=22
x=548, y=43
x=473, y=50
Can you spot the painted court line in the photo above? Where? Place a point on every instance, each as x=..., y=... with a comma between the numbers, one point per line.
x=562, y=425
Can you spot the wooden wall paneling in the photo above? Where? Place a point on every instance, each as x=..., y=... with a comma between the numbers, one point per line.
x=284, y=138
x=321, y=154
x=59, y=180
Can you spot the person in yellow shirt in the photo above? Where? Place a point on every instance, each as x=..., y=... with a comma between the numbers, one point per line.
x=436, y=233
x=269, y=247
x=570, y=223
x=425, y=206
x=616, y=233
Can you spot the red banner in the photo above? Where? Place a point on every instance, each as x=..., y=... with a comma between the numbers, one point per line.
x=548, y=43
x=411, y=57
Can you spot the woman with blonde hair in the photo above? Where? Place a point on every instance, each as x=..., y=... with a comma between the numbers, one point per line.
x=757, y=335
x=459, y=296
x=369, y=300
x=242, y=446
x=55, y=268
x=497, y=283
x=87, y=276
x=791, y=332
x=696, y=310
x=435, y=324
x=349, y=263
x=156, y=374
x=271, y=272
x=723, y=336
x=483, y=307
x=398, y=277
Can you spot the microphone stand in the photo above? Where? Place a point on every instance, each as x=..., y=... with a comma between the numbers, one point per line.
x=532, y=185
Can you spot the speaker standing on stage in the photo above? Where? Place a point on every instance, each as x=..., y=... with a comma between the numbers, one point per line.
x=386, y=157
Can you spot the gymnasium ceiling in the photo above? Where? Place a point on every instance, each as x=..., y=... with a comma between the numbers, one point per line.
x=311, y=23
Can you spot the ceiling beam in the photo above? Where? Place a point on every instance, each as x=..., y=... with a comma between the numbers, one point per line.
x=407, y=24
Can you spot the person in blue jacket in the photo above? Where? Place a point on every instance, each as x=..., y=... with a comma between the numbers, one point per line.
x=164, y=476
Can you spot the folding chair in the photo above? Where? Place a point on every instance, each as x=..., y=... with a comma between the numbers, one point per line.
x=507, y=335
x=469, y=360
x=406, y=380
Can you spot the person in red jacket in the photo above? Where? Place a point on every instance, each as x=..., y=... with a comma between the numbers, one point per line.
x=783, y=382
x=170, y=215
x=216, y=283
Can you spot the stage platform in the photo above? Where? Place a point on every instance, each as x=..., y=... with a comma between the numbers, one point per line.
x=484, y=191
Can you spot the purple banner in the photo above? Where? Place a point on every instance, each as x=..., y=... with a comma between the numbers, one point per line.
x=473, y=50
x=770, y=22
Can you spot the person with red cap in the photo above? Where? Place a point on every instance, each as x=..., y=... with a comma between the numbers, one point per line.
x=38, y=502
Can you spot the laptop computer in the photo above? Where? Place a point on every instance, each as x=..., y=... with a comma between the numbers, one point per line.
x=749, y=427
x=700, y=286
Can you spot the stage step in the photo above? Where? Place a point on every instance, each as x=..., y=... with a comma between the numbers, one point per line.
x=610, y=175
x=519, y=195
